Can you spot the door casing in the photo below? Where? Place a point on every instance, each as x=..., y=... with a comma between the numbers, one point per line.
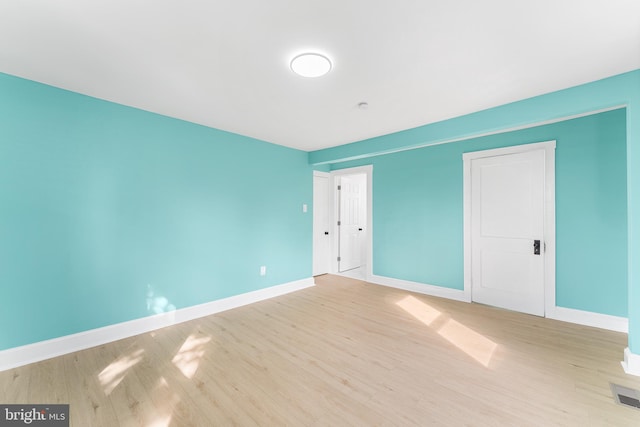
x=321, y=223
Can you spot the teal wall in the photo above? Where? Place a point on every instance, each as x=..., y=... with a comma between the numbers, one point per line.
x=620, y=90
x=108, y=213
x=101, y=205
x=418, y=210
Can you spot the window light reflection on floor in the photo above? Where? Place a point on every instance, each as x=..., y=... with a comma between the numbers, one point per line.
x=164, y=393
x=161, y=421
x=421, y=311
x=469, y=341
x=187, y=359
x=113, y=374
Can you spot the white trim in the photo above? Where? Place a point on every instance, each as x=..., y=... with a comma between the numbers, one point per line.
x=473, y=136
x=368, y=171
x=588, y=318
x=421, y=288
x=549, y=214
x=631, y=363
x=512, y=149
x=19, y=356
x=579, y=317
x=319, y=206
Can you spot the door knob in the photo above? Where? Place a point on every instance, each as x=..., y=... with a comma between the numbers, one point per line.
x=326, y=233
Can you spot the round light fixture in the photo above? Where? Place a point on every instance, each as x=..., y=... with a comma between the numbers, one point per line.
x=310, y=65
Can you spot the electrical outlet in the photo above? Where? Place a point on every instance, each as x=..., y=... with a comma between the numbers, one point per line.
x=263, y=270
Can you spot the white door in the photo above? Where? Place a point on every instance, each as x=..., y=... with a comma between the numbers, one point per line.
x=321, y=225
x=507, y=226
x=352, y=215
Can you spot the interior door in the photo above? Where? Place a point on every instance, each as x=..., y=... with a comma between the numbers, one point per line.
x=351, y=219
x=321, y=237
x=507, y=224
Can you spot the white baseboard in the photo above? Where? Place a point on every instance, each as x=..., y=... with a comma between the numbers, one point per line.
x=597, y=320
x=19, y=356
x=631, y=363
x=587, y=318
x=421, y=288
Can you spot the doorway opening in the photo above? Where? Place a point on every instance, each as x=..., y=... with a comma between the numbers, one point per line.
x=352, y=222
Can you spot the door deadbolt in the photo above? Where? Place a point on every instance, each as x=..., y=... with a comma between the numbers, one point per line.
x=536, y=247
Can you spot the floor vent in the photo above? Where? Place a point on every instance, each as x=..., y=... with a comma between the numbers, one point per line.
x=626, y=396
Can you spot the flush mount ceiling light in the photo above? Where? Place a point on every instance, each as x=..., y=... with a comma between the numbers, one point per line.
x=310, y=65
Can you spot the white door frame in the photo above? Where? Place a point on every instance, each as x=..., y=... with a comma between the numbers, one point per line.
x=368, y=171
x=324, y=205
x=549, y=216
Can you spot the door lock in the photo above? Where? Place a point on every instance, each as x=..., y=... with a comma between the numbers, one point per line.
x=536, y=247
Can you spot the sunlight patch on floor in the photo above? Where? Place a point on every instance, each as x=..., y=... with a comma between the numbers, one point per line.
x=187, y=359
x=421, y=311
x=113, y=374
x=161, y=421
x=464, y=338
x=166, y=400
x=474, y=344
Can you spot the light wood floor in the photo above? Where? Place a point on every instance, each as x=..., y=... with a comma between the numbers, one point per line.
x=342, y=353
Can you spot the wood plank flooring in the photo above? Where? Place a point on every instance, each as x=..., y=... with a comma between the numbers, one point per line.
x=342, y=353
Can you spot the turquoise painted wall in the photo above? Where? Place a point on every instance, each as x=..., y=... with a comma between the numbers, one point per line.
x=418, y=210
x=108, y=213
x=620, y=90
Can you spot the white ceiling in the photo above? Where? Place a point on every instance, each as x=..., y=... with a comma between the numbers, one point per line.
x=225, y=64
